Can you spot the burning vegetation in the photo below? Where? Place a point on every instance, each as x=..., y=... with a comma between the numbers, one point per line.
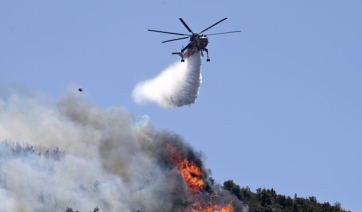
x=188, y=170
x=211, y=208
x=205, y=199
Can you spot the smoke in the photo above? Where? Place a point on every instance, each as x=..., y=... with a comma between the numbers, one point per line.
x=176, y=86
x=74, y=154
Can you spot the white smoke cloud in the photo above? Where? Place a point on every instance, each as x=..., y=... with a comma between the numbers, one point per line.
x=74, y=154
x=176, y=86
x=105, y=164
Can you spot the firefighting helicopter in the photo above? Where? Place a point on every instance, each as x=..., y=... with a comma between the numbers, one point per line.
x=198, y=41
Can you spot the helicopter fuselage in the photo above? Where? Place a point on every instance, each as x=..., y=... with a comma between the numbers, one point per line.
x=198, y=41
x=202, y=41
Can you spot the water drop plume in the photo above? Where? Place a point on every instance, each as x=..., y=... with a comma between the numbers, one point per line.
x=176, y=86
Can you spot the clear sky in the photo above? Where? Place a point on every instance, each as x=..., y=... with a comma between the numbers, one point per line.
x=280, y=103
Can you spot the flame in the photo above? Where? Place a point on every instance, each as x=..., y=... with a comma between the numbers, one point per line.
x=188, y=170
x=192, y=175
x=199, y=207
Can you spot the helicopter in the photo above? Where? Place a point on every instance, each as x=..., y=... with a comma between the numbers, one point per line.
x=198, y=41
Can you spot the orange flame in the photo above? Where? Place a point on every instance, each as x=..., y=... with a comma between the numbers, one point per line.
x=188, y=170
x=212, y=208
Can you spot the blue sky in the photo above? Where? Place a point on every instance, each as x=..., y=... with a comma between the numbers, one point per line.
x=280, y=103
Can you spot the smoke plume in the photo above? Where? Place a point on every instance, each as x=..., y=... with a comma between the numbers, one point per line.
x=176, y=86
x=74, y=154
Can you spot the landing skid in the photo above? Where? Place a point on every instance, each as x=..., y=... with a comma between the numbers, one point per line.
x=202, y=54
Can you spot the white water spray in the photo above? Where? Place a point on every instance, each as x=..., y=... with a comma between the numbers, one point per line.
x=176, y=86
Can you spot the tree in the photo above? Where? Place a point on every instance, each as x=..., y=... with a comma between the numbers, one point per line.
x=267, y=200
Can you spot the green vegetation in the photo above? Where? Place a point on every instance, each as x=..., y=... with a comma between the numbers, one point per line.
x=267, y=200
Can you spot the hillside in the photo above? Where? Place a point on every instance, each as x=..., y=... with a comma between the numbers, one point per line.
x=268, y=200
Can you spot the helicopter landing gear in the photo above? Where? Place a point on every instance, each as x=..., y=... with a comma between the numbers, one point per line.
x=182, y=58
x=207, y=53
x=182, y=53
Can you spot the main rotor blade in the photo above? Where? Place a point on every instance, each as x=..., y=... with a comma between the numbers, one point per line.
x=174, y=39
x=213, y=25
x=223, y=33
x=188, y=28
x=173, y=33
